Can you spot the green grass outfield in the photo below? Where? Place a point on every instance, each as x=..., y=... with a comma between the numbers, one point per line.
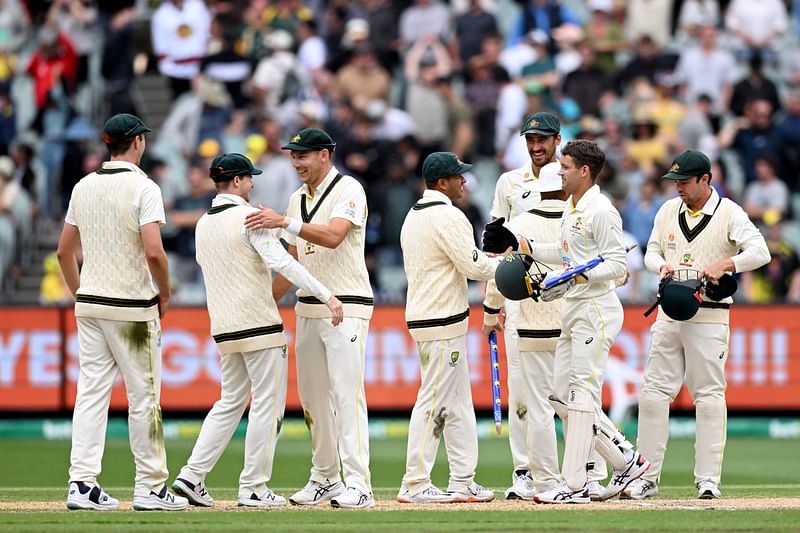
x=33, y=475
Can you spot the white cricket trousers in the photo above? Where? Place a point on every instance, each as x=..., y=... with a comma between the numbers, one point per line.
x=536, y=415
x=589, y=328
x=443, y=408
x=698, y=352
x=517, y=400
x=262, y=375
x=330, y=382
x=133, y=348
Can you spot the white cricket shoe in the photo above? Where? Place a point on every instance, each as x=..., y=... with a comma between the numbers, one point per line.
x=315, y=493
x=595, y=491
x=353, y=498
x=265, y=499
x=164, y=500
x=640, y=489
x=196, y=493
x=93, y=498
x=522, y=487
x=620, y=479
x=561, y=493
x=708, y=490
x=472, y=493
x=430, y=494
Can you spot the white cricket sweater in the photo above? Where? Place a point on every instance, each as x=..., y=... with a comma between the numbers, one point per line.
x=439, y=255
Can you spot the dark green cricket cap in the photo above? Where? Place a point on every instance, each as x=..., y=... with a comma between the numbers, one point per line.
x=687, y=165
x=443, y=165
x=225, y=167
x=310, y=140
x=543, y=123
x=122, y=127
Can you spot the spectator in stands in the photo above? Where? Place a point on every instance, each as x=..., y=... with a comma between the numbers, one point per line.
x=639, y=211
x=117, y=63
x=588, y=83
x=482, y=92
x=185, y=212
x=180, y=31
x=278, y=76
x=779, y=280
x=753, y=135
x=532, y=49
x=756, y=86
x=286, y=15
x=311, y=50
x=362, y=79
x=647, y=61
x=424, y=19
x=15, y=220
x=279, y=179
x=789, y=131
x=469, y=30
x=76, y=18
x=427, y=61
x=696, y=123
x=53, y=290
x=695, y=14
x=14, y=25
x=605, y=34
x=542, y=71
x=24, y=173
x=758, y=25
x=227, y=65
x=8, y=118
x=545, y=15
x=54, y=63
x=768, y=196
x=707, y=69
x=649, y=17
x=393, y=123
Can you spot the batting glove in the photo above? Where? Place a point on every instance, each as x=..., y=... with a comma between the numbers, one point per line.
x=497, y=238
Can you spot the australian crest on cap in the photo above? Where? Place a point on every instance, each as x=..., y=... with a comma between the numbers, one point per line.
x=533, y=123
x=296, y=138
x=675, y=167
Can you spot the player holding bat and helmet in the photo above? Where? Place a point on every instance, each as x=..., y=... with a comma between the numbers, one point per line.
x=592, y=317
x=695, y=241
x=537, y=327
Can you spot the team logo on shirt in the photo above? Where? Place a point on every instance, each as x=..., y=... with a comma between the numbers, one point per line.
x=284, y=351
x=454, y=358
x=526, y=194
x=309, y=249
x=687, y=260
x=577, y=225
x=475, y=256
x=184, y=31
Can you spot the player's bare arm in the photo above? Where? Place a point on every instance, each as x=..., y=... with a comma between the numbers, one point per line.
x=68, y=245
x=157, y=263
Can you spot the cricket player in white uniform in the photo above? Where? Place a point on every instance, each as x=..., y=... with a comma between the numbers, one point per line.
x=439, y=255
x=115, y=216
x=325, y=226
x=592, y=317
x=516, y=193
x=702, y=233
x=237, y=267
x=537, y=327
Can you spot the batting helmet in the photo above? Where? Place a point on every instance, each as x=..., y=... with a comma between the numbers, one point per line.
x=512, y=277
x=680, y=299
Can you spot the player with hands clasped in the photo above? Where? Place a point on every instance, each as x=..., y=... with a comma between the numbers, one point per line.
x=439, y=255
x=325, y=227
x=697, y=236
x=115, y=215
x=537, y=329
x=592, y=317
x=237, y=266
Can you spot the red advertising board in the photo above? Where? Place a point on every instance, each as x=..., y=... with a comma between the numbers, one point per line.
x=763, y=368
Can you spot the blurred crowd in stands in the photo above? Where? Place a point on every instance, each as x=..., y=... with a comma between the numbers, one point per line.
x=392, y=82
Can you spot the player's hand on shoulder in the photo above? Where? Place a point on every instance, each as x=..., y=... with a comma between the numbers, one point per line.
x=497, y=238
x=264, y=218
x=337, y=311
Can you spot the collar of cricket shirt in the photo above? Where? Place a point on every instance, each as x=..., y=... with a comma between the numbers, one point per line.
x=709, y=207
x=434, y=195
x=224, y=198
x=323, y=185
x=122, y=165
x=587, y=197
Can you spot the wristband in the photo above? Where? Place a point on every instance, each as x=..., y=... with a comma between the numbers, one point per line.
x=294, y=226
